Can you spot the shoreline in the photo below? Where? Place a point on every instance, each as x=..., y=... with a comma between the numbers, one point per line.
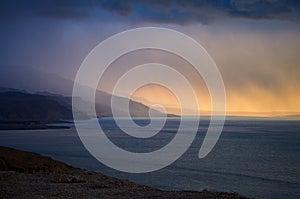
x=30, y=175
x=29, y=125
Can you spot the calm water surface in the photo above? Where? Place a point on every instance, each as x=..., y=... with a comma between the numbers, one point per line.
x=256, y=158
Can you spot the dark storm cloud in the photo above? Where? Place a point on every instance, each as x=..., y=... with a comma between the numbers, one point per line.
x=47, y=8
x=168, y=11
x=272, y=9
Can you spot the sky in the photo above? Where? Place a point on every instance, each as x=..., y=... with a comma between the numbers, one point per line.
x=255, y=45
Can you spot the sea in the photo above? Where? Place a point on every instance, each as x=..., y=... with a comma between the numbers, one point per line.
x=257, y=158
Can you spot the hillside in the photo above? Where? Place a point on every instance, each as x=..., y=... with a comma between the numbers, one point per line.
x=21, y=106
x=24, y=106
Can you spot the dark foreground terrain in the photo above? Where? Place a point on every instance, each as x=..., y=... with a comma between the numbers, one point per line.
x=30, y=175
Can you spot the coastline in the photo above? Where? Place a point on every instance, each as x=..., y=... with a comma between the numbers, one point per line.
x=30, y=125
x=30, y=175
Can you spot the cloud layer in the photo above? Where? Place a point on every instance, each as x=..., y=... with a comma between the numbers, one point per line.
x=172, y=11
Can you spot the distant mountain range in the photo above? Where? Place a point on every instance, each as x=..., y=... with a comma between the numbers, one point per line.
x=30, y=94
x=24, y=106
x=43, y=106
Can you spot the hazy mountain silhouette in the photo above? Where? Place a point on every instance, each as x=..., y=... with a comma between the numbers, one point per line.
x=16, y=105
x=33, y=80
x=24, y=106
x=46, y=86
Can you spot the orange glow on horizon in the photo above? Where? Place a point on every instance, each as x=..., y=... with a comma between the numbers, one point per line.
x=252, y=102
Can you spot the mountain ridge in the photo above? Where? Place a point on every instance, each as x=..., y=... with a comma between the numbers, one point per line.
x=44, y=106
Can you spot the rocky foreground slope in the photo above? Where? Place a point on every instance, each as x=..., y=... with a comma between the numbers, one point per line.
x=30, y=175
